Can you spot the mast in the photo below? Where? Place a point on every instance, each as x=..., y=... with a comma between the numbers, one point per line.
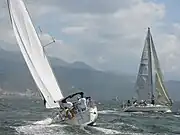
x=150, y=78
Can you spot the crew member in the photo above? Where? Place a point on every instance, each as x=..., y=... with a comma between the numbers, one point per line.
x=89, y=101
x=67, y=107
x=82, y=102
x=152, y=100
x=128, y=103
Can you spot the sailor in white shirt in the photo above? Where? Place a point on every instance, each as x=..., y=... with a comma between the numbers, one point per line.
x=82, y=103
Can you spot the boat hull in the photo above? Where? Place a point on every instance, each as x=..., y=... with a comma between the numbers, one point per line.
x=148, y=108
x=87, y=117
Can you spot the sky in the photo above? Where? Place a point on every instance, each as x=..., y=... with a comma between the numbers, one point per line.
x=106, y=34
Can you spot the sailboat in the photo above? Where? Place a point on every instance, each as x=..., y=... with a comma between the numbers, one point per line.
x=39, y=67
x=152, y=95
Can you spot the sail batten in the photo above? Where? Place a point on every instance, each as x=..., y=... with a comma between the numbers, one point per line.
x=33, y=53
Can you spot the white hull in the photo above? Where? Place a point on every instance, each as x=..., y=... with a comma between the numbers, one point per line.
x=148, y=108
x=87, y=117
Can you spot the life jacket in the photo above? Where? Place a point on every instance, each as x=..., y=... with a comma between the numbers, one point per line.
x=69, y=114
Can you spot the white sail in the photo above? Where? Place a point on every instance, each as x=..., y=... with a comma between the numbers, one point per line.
x=142, y=78
x=162, y=96
x=33, y=53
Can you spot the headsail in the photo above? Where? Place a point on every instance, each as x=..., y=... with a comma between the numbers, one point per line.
x=142, y=78
x=162, y=96
x=33, y=53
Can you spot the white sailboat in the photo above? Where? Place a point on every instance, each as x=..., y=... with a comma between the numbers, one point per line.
x=148, y=100
x=39, y=67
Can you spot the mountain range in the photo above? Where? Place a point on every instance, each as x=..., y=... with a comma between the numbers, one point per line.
x=72, y=77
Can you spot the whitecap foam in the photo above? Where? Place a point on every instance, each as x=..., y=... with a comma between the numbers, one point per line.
x=58, y=129
x=54, y=129
x=107, y=111
x=107, y=131
x=137, y=112
x=46, y=121
x=178, y=116
x=129, y=125
x=119, y=124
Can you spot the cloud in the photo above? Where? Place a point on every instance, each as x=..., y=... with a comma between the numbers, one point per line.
x=88, y=6
x=115, y=34
x=168, y=46
x=106, y=34
x=74, y=30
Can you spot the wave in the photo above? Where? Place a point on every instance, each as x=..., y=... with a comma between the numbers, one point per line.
x=54, y=129
x=114, y=112
x=44, y=127
x=46, y=121
x=107, y=112
x=27, y=93
x=114, y=132
x=177, y=116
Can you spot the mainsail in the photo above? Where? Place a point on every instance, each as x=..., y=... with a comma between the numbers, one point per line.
x=33, y=53
x=142, y=78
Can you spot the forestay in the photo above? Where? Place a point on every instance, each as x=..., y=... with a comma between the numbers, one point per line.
x=33, y=53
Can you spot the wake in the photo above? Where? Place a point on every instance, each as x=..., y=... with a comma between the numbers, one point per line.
x=46, y=121
x=47, y=127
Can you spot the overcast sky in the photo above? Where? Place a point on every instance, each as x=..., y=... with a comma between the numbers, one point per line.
x=106, y=34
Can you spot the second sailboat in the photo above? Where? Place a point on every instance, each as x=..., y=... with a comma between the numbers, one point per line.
x=151, y=97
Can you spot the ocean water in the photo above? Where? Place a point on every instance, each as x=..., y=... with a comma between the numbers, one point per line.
x=27, y=116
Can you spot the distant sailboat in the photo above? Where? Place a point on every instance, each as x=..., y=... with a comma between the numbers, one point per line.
x=148, y=100
x=37, y=62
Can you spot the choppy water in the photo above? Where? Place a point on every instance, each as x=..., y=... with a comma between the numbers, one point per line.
x=28, y=116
